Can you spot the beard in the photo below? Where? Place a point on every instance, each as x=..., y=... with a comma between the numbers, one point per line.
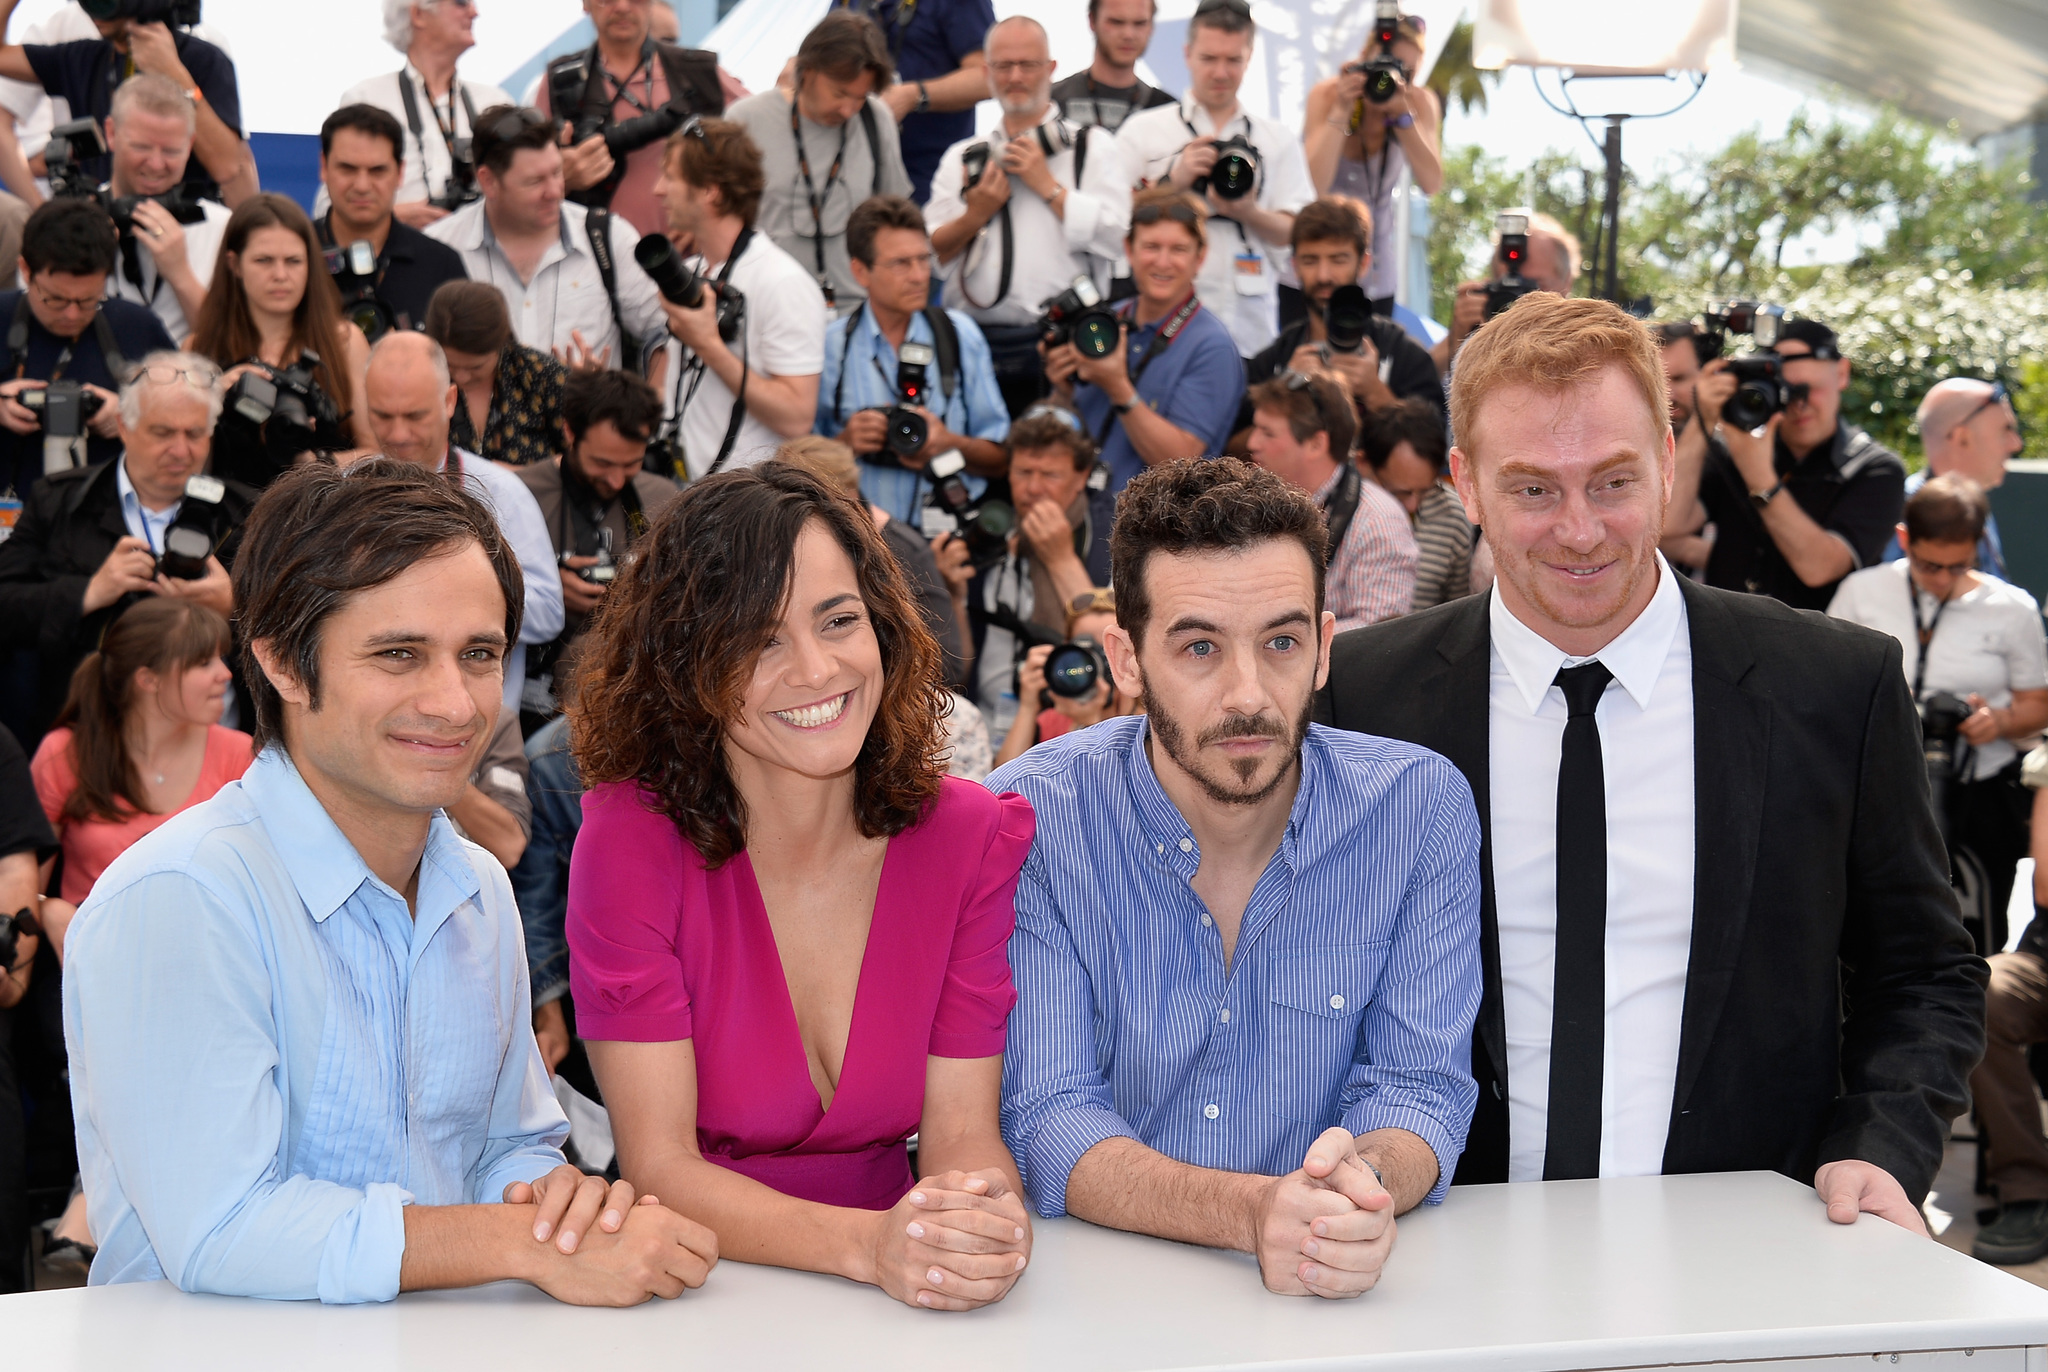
x=1173, y=737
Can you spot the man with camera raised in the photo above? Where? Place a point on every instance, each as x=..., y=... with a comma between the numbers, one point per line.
x=60, y=328
x=1016, y=221
x=386, y=269
x=746, y=322
x=169, y=235
x=620, y=99
x=437, y=174
x=1247, y=171
x=1547, y=260
x=905, y=382
x=151, y=523
x=1162, y=380
x=1799, y=497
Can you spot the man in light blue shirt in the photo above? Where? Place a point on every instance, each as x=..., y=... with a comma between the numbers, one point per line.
x=962, y=405
x=1247, y=946
x=302, y=1063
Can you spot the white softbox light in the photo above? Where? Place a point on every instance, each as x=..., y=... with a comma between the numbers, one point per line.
x=1605, y=37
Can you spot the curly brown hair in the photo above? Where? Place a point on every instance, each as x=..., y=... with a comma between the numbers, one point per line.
x=673, y=647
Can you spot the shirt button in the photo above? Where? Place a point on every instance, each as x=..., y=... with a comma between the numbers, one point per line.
x=1210, y=1112
x=1224, y=1014
x=1206, y=921
x=1160, y=848
x=1187, y=845
x=1336, y=1002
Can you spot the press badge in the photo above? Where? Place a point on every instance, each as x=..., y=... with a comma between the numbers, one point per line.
x=1251, y=273
x=10, y=510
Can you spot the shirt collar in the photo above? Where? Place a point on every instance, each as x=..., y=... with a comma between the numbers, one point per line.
x=1329, y=488
x=1192, y=113
x=1636, y=656
x=131, y=499
x=487, y=237
x=1166, y=830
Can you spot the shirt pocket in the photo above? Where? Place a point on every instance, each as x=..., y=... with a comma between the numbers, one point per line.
x=1314, y=1001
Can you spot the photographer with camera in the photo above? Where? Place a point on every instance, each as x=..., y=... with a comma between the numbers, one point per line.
x=517, y=389
x=1069, y=682
x=1107, y=91
x=1058, y=552
x=619, y=100
x=746, y=322
x=1977, y=660
x=903, y=381
x=149, y=523
x=818, y=172
x=437, y=171
x=169, y=236
x=1968, y=429
x=61, y=330
x=385, y=269
x=25, y=839
x=1368, y=124
x=1019, y=218
x=1244, y=169
x=1799, y=497
x=935, y=51
x=153, y=38
x=1302, y=431
x=563, y=296
x=1538, y=255
x=1160, y=378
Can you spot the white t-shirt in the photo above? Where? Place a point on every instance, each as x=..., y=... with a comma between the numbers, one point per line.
x=202, y=246
x=1989, y=641
x=784, y=336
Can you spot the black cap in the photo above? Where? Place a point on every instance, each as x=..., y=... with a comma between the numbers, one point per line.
x=1814, y=335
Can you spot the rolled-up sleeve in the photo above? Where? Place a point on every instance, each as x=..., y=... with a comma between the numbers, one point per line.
x=1413, y=1070
x=1056, y=1101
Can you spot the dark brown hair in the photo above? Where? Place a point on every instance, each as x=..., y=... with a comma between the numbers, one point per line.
x=1333, y=219
x=1204, y=505
x=502, y=132
x=674, y=644
x=1947, y=509
x=374, y=120
x=609, y=396
x=842, y=46
x=1413, y=421
x=874, y=214
x=719, y=153
x=1225, y=16
x=322, y=534
x=226, y=331
x=1319, y=407
x=1164, y=201
x=159, y=634
x=470, y=317
x=1047, y=426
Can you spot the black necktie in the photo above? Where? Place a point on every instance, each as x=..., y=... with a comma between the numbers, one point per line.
x=1578, y=1011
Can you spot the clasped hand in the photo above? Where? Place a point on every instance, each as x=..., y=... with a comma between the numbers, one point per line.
x=628, y=1248
x=1326, y=1229
x=958, y=1241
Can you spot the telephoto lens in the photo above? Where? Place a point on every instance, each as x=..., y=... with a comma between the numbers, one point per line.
x=665, y=267
x=1076, y=668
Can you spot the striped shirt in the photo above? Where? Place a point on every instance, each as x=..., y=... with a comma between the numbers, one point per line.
x=1372, y=572
x=1349, y=998
x=1444, y=537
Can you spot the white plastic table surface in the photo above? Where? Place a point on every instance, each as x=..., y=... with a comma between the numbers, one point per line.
x=1636, y=1272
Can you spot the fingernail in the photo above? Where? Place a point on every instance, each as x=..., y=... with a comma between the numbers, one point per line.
x=542, y=1230
x=1019, y=1233
x=1020, y=1262
x=1312, y=1248
x=1319, y=1229
x=914, y=1229
x=977, y=1183
x=917, y=1198
x=936, y=1277
x=613, y=1219
x=924, y=1298
x=567, y=1241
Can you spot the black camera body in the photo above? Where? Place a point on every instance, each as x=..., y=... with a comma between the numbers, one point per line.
x=1235, y=174
x=461, y=187
x=1346, y=318
x=1761, y=390
x=188, y=543
x=1505, y=289
x=1941, y=722
x=71, y=145
x=908, y=431
x=63, y=407
x=568, y=78
x=179, y=202
x=12, y=927
x=1053, y=139
x=1723, y=317
x=1076, y=668
x=270, y=417
x=682, y=284
x=985, y=524
x=354, y=269
x=1078, y=315
x=179, y=14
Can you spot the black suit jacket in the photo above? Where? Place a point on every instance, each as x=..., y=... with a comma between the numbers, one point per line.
x=1834, y=1006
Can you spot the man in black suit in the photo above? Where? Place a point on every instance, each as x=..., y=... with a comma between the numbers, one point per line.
x=1717, y=927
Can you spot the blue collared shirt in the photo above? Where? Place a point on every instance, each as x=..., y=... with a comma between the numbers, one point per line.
x=975, y=408
x=1195, y=383
x=146, y=524
x=1349, y=999
x=271, y=1057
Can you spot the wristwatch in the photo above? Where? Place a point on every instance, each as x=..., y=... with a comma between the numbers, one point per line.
x=1762, y=498
x=1125, y=408
x=924, y=98
x=1406, y=121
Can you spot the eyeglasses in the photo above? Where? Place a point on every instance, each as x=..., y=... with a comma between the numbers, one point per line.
x=1298, y=381
x=1101, y=600
x=1059, y=412
x=63, y=302
x=512, y=123
x=1997, y=397
x=906, y=264
x=1926, y=568
x=160, y=375
x=1177, y=210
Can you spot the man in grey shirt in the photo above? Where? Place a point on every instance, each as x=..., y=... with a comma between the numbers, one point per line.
x=828, y=150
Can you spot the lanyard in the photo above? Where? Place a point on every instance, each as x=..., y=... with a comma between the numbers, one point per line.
x=622, y=90
x=812, y=195
x=1924, y=631
x=574, y=492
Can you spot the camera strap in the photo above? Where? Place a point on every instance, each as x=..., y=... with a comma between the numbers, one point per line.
x=1160, y=341
x=457, y=90
x=597, y=226
x=1925, y=632
x=817, y=198
x=102, y=332
x=1342, y=506
x=695, y=366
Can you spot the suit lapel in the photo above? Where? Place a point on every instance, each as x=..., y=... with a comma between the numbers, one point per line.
x=1731, y=748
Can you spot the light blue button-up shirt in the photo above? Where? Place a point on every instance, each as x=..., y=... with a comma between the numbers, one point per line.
x=146, y=524
x=1349, y=998
x=868, y=381
x=270, y=1057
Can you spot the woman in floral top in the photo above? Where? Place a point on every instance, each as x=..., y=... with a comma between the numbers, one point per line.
x=517, y=389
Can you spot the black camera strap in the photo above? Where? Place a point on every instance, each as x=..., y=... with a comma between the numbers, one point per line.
x=597, y=226
x=1342, y=506
x=817, y=198
x=945, y=351
x=1168, y=331
x=17, y=344
x=695, y=367
x=456, y=91
x=1925, y=632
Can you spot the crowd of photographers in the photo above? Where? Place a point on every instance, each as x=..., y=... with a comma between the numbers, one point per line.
x=572, y=300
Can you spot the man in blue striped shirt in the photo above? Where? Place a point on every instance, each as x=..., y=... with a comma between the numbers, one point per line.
x=1247, y=947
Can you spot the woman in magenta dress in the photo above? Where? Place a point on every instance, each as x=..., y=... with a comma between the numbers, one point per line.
x=787, y=927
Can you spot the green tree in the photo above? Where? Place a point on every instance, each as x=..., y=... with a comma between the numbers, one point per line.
x=1455, y=78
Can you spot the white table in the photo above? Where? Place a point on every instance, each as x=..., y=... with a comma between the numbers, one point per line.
x=1640, y=1272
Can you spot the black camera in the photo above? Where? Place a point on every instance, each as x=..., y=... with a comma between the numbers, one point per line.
x=460, y=188
x=1235, y=173
x=70, y=146
x=908, y=430
x=177, y=13
x=179, y=202
x=685, y=286
x=985, y=524
x=270, y=418
x=1385, y=73
x=605, y=570
x=1053, y=139
x=12, y=927
x=354, y=269
x=1077, y=315
x=1761, y=390
x=1941, y=722
x=1723, y=317
x=188, y=543
x=63, y=407
x=568, y=79
x=1510, y=286
x=1076, y=668
x=1345, y=319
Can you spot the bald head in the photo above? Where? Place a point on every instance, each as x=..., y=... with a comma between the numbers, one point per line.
x=409, y=397
x=1967, y=428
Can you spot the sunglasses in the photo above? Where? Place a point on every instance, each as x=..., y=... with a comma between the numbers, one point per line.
x=1998, y=396
x=1178, y=211
x=512, y=123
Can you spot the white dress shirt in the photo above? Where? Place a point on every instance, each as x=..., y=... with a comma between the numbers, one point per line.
x=524, y=528
x=1240, y=277
x=202, y=247
x=566, y=294
x=1646, y=751
x=426, y=157
x=1047, y=250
